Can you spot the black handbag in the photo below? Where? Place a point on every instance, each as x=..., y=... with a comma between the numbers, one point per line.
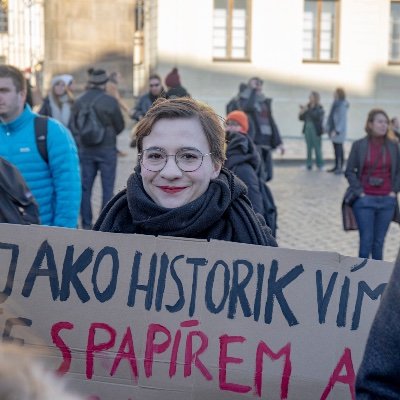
x=350, y=196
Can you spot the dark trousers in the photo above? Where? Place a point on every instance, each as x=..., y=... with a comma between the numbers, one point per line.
x=339, y=155
x=373, y=215
x=105, y=161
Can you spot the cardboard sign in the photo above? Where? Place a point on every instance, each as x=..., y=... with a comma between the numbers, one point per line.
x=139, y=317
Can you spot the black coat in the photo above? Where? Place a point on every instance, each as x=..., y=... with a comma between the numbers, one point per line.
x=108, y=112
x=243, y=159
x=248, y=104
x=314, y=115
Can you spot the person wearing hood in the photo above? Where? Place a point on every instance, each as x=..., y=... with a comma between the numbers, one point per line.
x=173, y=83
x=179, y=187
x=242, y=157
x=58, y=103
x=336, y=127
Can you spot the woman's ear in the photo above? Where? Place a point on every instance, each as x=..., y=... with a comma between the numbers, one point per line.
x=217, y=170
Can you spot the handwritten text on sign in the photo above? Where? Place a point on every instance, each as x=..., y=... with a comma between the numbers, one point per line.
x=229, y=318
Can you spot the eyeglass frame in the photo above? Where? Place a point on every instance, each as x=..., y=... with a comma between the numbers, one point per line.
x=140, y=155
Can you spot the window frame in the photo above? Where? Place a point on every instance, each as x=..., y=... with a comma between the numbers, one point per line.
x=336, y=36
x=390, y=60
x=228, y=44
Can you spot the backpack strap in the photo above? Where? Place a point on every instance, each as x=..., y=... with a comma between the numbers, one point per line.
x=41, y=137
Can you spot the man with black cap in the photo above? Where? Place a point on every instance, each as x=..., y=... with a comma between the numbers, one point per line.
x=101, y=156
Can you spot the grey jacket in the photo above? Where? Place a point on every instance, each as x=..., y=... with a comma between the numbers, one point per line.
x=337, y=121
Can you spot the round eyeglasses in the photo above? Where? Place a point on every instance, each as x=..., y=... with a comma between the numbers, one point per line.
x=187, y=160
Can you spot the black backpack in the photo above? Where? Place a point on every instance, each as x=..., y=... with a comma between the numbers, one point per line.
x=17, y=204
x=87, y=125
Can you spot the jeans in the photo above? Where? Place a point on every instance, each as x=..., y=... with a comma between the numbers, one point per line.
x=339, y=155
x=105, y=161
x=373, y=215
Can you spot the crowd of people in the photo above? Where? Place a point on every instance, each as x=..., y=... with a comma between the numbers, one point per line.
x=196, y=177
x=82, y=132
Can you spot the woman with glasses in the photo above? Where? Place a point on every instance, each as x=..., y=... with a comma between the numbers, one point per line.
x=179, y=187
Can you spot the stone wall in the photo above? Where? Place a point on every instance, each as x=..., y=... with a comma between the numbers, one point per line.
x=84, y=33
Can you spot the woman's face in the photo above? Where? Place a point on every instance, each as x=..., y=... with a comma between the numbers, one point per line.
x=379, y=125
x=171, y=187
x=59, y=88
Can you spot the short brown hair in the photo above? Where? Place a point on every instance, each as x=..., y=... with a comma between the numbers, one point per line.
x=9, y=71
x=186, y=107
x=340, y=93
x=371, y=116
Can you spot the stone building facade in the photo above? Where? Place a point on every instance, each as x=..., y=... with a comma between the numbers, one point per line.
x=295, y=46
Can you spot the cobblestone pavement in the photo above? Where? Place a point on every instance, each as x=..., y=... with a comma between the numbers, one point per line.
x=309, y=213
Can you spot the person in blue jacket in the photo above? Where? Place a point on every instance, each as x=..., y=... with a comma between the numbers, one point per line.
x=56, y=184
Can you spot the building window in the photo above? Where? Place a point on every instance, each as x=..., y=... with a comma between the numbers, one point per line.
x=231, y=29
x=3, y=16
x=394, y=39
x=320, y=30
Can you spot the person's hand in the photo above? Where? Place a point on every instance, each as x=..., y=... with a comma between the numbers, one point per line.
x=392, y=194
x=281, y=149
x=362, y=194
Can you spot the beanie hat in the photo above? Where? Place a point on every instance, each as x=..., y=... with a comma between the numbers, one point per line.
x=67, y=79
x=97, y=76
x=173, y=79
x=241, y=118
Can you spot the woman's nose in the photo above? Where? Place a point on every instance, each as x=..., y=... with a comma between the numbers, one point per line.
x=171, y=170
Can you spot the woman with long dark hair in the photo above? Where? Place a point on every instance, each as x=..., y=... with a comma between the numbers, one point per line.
x=373, y=172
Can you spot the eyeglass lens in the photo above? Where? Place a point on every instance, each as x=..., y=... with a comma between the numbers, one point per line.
x=186, y=160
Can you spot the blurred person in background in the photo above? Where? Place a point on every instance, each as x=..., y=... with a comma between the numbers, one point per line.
x=174, y=86
x=262, y=127
x=373, y=172
x=99, y=157
x=336, y=127
x=55, y=182
x=313, y=116
x=58, y=103
x=156, y=90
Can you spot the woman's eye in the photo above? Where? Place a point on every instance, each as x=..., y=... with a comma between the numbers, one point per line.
x=189, y=156
x=155, y=156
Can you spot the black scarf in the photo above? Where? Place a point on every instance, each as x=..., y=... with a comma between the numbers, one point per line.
x=223, y=212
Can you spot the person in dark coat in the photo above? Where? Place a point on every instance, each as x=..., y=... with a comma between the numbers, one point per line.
x=234, y=102
x=263, y=129
x=242, y=157
x=145, y=101
x=379, y=374
x=173, y=83
x=179, y=187
x=101, y=157
x=373, y=172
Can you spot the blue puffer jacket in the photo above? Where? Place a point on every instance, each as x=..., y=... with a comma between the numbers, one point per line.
x=56, y=185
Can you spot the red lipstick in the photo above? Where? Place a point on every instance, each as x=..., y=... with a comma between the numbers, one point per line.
x=172, y=189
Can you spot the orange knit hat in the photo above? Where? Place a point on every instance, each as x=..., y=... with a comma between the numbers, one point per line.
x=241, y=118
